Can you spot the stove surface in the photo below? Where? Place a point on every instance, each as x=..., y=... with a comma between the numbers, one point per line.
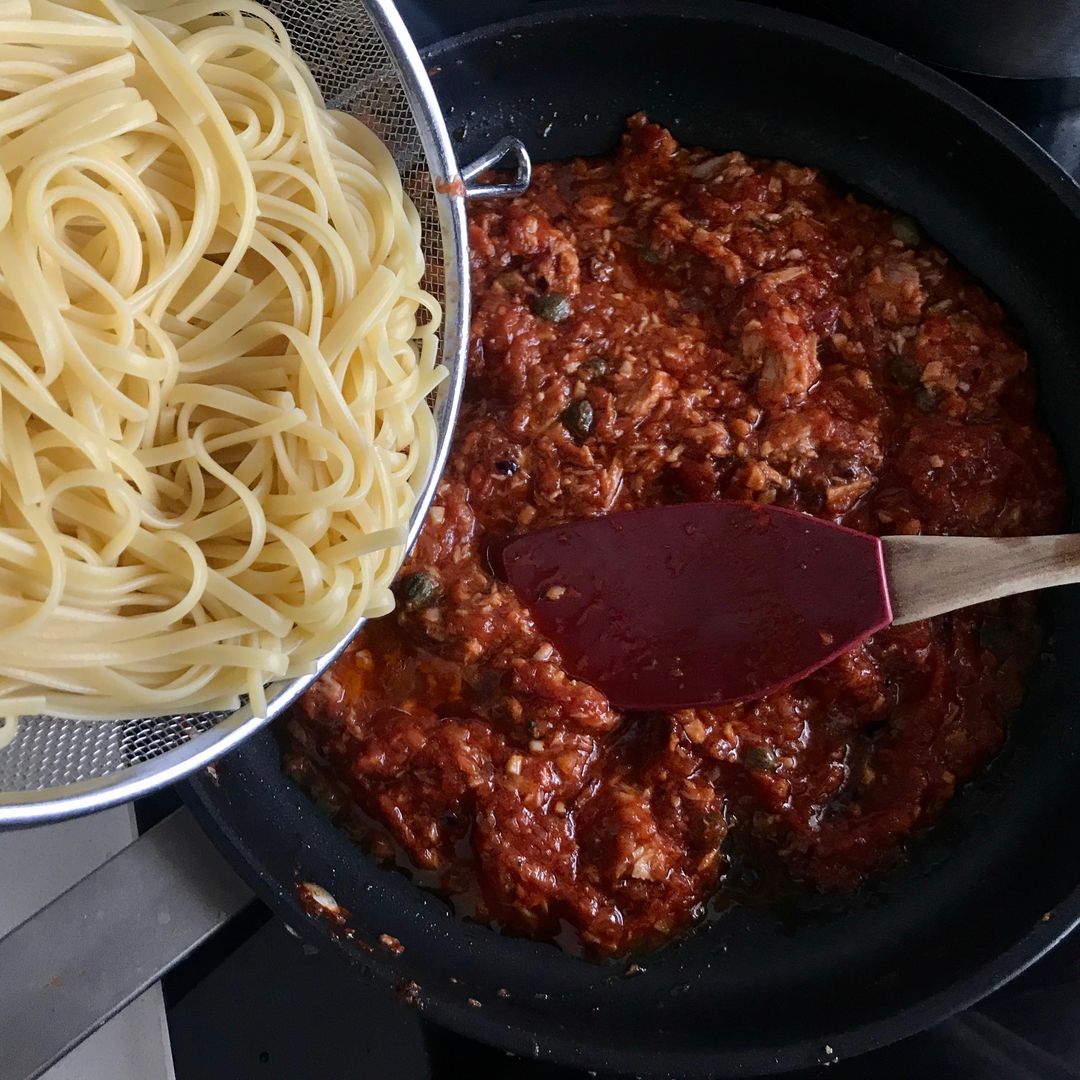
x=257, y=1004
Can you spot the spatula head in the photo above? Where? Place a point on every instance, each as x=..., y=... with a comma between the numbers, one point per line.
x=700, y=603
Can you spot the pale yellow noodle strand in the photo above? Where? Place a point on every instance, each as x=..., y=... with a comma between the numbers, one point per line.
x=215, y=355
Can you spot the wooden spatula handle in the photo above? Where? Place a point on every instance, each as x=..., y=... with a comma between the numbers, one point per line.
x=929, y=575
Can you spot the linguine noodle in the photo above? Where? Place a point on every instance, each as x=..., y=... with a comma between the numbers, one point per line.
x=215, y=352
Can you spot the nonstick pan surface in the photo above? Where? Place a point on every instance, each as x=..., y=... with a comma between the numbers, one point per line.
x=997, y=881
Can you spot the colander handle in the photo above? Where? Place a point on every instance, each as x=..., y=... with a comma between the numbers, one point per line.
x=96, y=947
x=508, y=154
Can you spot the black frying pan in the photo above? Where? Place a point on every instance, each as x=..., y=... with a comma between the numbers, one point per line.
x=759, y=990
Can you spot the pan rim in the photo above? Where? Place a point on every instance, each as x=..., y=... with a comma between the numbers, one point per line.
x=801, y=1053
x=556, y=1048
x=957, y=97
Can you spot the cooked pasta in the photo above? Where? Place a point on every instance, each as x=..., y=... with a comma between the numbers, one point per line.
x=215, y=354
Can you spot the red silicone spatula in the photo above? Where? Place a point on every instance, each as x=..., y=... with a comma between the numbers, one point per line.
x=703, y=603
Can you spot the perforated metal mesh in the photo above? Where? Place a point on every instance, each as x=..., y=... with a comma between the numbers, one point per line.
x=357, y=72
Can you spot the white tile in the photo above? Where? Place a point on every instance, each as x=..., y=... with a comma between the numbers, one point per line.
x=39, y=864
x=133, y=1045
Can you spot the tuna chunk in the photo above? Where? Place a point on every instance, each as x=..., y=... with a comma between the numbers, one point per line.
x=789, y=363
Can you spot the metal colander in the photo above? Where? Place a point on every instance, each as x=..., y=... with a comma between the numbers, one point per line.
x=365, y=63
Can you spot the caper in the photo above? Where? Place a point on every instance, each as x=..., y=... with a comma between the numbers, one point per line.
x=650, y=255
x=552, y=306
x=760, y=759
x=904, y=229
x=418, y=590
x=710, y=829
x=506, y=467
x=578, y=419
x=905, y=371
x=926, y=400
x=594, y=368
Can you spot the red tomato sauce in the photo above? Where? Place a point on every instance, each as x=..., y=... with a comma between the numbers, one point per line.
x=670, y=324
